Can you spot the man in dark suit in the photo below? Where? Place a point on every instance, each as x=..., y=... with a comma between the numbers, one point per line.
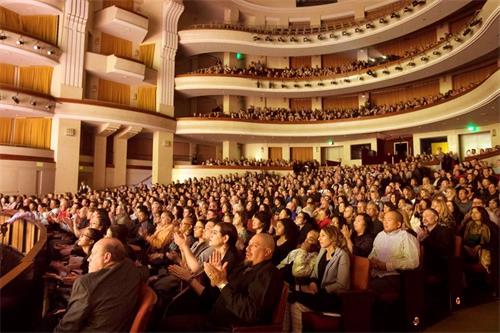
x=105, y=299
x=251, y=296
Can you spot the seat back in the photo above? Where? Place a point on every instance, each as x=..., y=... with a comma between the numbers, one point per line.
x=360, y=273
x=147, y=299
x=458, y=246
x=279, y=311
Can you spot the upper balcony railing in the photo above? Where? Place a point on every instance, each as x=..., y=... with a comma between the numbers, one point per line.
x=316, y=40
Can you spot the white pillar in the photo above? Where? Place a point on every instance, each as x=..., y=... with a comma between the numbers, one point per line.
x=74, y=33
x=163, y=157
x=171, y=11
x=120, y=142
x=230, y=150
x=100, y=145
x=66, y=146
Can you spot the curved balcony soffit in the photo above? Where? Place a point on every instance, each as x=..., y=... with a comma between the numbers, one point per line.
x=34, y=7
x=481, y=40
x=91, y=112
x=198, y=41
x=16, y=103
x=485, y=94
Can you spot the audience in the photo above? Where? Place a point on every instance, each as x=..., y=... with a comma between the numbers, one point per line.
x=283, y=114
x=200, y=263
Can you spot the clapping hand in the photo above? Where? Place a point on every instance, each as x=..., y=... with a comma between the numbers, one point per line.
x=346, y=232
x=215, y=270
x=180, y=272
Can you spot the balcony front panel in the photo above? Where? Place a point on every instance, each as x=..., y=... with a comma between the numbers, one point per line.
x=481, y=39
x=484, y=96
x=198, y=41
x=15, y=102
x=22, y=50
x=122, y=23
x=115, y=69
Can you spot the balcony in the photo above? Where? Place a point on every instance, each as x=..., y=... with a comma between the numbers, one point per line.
x=116, y=69
x=212, y=38
x=458, y=50
x=15, y=102
x=22, y=50
x=122, y=23
x=480, y=105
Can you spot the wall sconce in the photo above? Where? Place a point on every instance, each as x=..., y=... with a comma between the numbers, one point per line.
x=408, y=9
x=37, y=47
x=395, y=15
x=371, y=73
x=256, y=38
x=346, y=33
x=333, y=82
x=369, y=26
x=321, y=84
x=20, y=41
x=293, y=39
x=382, y=20
x=436, y=53
x=269, y=39
x=358, y=29
x=33, y=102
x=15, y=99
x=70, y=131
x=398, y=68
x=166, y=143
x=411, y=64
x=424, y=58
x=334, y=36
x=321, y=37
x=447, y=47
x=307, y=39
x=458, y=39
x=361, y=78
x=3, y=36
x=49, y=107
x=386, y=72
x=50, y=52
x=467, y=31
x=347, y=80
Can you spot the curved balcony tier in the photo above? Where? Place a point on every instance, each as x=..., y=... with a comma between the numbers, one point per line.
x=457, y=51
x=22, y=50
x=482, y=99
x=34, y=7
x=197, y=41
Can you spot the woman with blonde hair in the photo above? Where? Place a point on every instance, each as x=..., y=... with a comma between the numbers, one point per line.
x=445, y=216
x=331, y=274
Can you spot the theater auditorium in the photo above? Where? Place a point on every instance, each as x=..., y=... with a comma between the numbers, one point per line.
x=249, y=165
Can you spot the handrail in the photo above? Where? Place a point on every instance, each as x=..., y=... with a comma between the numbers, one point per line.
x=39, y=240
x=483, y=155
x=239, y=167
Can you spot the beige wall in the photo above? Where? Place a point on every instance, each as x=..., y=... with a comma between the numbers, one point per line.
x=181, y=174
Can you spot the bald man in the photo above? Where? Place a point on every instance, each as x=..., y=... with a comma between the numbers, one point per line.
x=250, y=295
x=105, y=299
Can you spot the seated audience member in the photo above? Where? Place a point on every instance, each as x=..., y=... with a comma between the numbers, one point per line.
x=331, y=274
x=243, y=235
x=393, y=249
x=373, y=210
x=286, y=239
x=120, y=232
x=360, y=238
x=298, y=265
x=251, y=294
x=437, y=241
x=476, y=234
x=106, y=298
x=305, y=224
x=261, y=222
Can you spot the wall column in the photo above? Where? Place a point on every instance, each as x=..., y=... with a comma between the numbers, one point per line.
x=163, y=157
x=171, y=11
x=73, y=45
x=230, y=150
x=362, y=54
x=66, y=145
x=99, y=169
x=363, y=98
x=317, y=103
x=317, y=153
x=120, y=142
x=445, y=83
x=285, y=151
x=230, y=104
x=453, y=143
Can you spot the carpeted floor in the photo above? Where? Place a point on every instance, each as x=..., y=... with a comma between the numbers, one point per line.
x=480, y=318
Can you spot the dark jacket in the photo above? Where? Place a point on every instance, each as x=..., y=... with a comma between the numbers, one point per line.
x=249, y=298
x=103, y=301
